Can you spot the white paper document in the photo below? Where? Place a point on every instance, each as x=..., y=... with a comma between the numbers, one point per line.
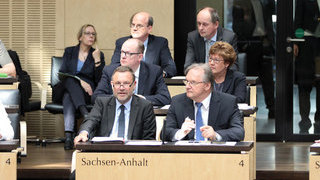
x=144, y=143
x=315, y=145
x=204, y=143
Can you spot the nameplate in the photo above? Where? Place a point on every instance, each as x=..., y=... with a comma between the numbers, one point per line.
x=159, y=166
x=314, y=166
x=8, y=165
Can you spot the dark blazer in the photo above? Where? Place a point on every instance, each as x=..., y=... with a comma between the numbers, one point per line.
x=142, y=124
x=235, y=84
x=157, y=53
x=224, y=116
x=307, y=15
x=89, y=73
x=151, y=84
x=196, y=50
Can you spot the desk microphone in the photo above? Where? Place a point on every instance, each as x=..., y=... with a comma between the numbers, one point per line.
x=163, y=130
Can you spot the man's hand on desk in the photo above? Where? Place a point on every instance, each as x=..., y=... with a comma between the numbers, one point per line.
x=316, y=141
x=83, y=136
x=208, y=132
x=187, y=126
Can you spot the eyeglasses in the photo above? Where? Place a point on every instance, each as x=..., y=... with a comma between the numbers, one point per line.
x=138, y=26
x=125, y=84
x=90, y=33
x=126, y=54
x=216, y=61
x=191, y=83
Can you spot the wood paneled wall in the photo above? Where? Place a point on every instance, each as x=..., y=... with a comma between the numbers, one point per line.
x=39, y=29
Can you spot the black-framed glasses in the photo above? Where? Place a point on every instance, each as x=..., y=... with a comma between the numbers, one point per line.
x=191, y=83
x=126, y=54
x=125, y=84
x=215, y=60
x=138, y=26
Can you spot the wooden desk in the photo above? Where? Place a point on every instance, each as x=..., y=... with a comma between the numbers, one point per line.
x=158, y=162
x=314, y=162
x=8, y=83
x=8, y=160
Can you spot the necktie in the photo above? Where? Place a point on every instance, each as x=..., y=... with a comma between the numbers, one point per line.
x=208, y=43
x=121, y=122
x=199, y=123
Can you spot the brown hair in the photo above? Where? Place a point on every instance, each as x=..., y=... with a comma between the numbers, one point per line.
x=225, y=50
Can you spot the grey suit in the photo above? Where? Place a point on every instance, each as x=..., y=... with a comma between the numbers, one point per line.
x=142, y=124
x=196, y=51
x=224, y=116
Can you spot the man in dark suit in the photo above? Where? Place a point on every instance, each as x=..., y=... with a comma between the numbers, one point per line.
x=307, y=18
x=202, y=113
x=121, y=115
x=156, y=48
x=252, y=22
x=209, y=31
x=150, y=83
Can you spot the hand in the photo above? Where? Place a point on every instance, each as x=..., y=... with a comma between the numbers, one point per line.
x=83, y=136
x=139, y=95
x=208, y=132
x=316, y=141
x=0, y=136
x=187, y=125
x=86, y=87
x=295, y=50
x=96, y=55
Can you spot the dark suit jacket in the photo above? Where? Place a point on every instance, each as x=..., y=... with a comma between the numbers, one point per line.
x=151, y=84
x=157, y=53
x=307, y=15
x=235, y=84
x=89, y=73
x=196, y=50
x=142, y=124
x=224, y=116
x=244, y=22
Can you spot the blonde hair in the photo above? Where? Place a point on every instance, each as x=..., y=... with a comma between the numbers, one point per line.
x=82, y=30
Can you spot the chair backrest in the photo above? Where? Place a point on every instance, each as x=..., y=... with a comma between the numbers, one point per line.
x=56, y=63
x=242, y=60
x=11, y=97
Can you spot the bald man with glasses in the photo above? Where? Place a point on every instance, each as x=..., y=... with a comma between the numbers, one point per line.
x=156, y=49
x=150, y=83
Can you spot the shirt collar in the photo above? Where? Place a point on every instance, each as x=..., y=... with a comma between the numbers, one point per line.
x=145, y=43
x=127, y=104
x=136, y=73
x=205, y=102
x=214, y=38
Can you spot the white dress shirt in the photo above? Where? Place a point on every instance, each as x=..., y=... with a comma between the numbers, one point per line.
x=6, y=129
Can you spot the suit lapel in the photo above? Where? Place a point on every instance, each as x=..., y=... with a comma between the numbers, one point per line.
x=133, y=116
x=214, y=109
x=227, y=81
x=74, y=59
x=219, y=34
x=202, y=48
x=111, y=110
x=142, y=78
x=189, y=112
x=150, y=51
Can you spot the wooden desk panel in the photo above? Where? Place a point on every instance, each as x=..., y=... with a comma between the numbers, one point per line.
x=170, y=161
x=8, y=165
x=314, y=163
x=160, y=166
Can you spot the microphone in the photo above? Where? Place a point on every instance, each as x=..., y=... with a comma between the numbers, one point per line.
x=163, y=130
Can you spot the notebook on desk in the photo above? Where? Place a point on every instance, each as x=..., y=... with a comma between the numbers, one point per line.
x=107, y=140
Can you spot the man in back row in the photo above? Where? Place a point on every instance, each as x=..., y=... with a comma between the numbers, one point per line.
x=156, y=49
x=209, y=31
x=150, y=83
